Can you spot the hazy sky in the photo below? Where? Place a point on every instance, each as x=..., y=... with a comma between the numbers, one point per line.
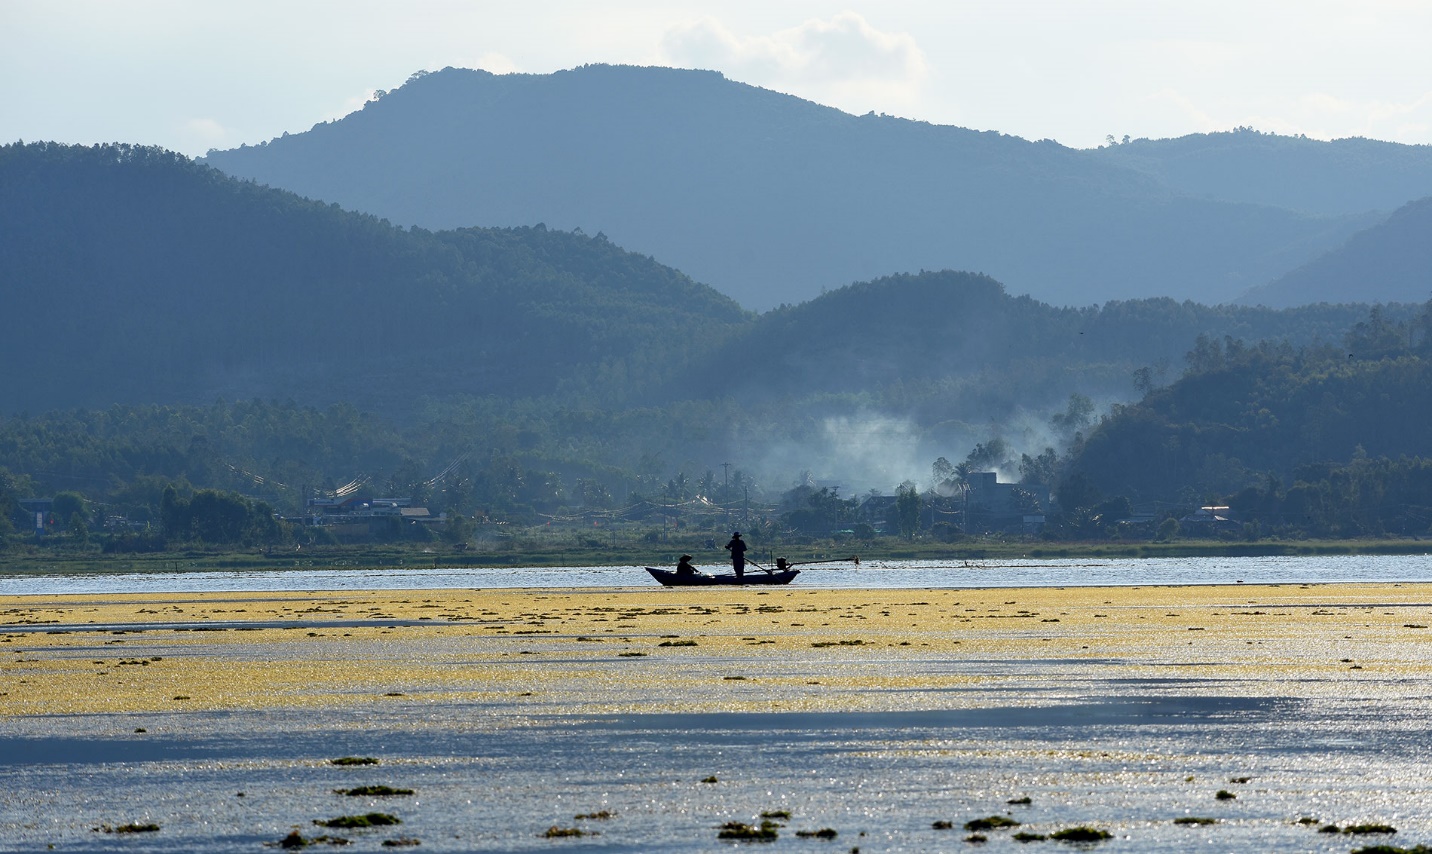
x=198, y=74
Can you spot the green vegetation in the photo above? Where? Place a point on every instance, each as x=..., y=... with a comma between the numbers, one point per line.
x=356, y=822
x=550, y=398
x=767, y=831
x=373, y=791
x=823, y=833
x=555, y=832
x=994, y=822
x=1081, y=834
x=135, y=827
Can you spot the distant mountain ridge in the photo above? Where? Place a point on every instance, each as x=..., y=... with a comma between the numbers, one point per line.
x=1393, y=259
x=135, y=275
x=773, y=199
x=1343, y=176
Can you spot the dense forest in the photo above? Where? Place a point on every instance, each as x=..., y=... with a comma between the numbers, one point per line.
x=134, y=275
x=1325, y=440
x=193, y=358
x=772, y=199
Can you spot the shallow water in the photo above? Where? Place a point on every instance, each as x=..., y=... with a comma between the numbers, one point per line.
x=867, y=575
x=1085, y=742
x=1126, y=763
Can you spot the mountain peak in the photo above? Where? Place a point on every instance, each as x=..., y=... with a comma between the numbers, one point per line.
x=773, y=199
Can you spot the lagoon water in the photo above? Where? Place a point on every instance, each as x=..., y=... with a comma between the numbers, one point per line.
x=897, y=574
x=1106, y=741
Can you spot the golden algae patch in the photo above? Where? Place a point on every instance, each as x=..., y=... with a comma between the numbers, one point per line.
x=604, y=651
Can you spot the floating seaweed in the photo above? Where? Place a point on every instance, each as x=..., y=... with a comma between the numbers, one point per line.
x=372, y=791
x=555, y=832
x=994, y=822
x=823, y=833
x=1193, y=819
x=1360, y=829
x=780, y=815
x=296, y=840
x=353, y=760
x=766, y=831
x=1081, y=834
x=129, y=828
x=598, y=816
x=354, y=822
x=1225, y=795
x=678, y=643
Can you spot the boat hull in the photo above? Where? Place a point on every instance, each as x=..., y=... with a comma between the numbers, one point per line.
x=669, y=578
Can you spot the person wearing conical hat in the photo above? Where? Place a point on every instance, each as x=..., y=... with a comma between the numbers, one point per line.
x=737, y=548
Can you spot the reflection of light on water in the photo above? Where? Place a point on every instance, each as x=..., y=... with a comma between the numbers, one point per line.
x=484, y=784
x=869, y=575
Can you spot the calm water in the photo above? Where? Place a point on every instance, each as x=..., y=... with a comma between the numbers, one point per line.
x=1086, y=744
x=1082, y=572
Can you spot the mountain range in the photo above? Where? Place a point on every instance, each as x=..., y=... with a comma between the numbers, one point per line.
x=1392, y=259
x=136, y=275
x=773, y=200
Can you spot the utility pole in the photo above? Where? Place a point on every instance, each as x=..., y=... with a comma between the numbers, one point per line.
x=726, y=491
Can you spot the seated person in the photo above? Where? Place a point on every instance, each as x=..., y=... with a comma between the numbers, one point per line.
x=684, y=567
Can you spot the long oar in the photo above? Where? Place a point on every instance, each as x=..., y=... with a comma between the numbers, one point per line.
x=855, y=558
x=758, y=566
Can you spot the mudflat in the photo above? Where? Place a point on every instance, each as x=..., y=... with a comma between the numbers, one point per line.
x=1124, y=707
x=609, y=651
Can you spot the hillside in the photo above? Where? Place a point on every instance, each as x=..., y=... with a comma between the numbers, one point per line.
x=773, y=199
x=1392, y=259
x=1244, y=414
x=953, y=344
x=134, y=275
x=1344, y=176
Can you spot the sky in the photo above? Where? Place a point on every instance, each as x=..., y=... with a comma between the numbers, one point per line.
x=193, y=75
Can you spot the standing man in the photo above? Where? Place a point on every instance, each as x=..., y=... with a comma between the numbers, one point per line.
x=737, y=548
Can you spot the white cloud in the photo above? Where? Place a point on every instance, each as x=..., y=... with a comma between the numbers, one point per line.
x=841, y=60
x=203, y=134
x=497, y=63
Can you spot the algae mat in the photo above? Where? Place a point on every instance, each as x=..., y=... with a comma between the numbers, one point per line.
x=649, y=719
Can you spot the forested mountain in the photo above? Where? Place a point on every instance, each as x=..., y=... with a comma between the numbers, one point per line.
x=1275, y=423
x=136, y=275
x=956, y=345
x=1392, y=259
x=773, y=199
x=539, y=369
x=1343, y=176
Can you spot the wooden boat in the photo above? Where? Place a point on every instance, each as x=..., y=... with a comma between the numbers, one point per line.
x=669, y=578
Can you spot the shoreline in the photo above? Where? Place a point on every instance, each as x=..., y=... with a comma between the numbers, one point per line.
x=27, y=558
